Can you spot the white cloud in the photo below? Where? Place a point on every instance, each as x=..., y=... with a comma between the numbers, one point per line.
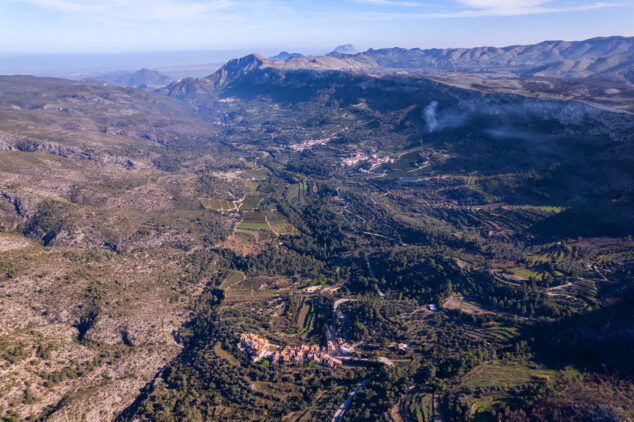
x=502, y=4
x=390, y=3
x=182, y=10
x=479, y=8
x=60, y=4
x=137, y=9
x=484, y=8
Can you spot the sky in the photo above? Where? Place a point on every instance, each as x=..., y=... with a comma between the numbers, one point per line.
x=311, y=27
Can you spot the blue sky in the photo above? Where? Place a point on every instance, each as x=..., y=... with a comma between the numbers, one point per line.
x=54, y=26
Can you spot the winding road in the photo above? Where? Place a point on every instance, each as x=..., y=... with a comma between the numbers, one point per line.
x=333, y=327
x=342, y=409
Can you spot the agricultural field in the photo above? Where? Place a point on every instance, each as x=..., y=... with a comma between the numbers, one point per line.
x=462, y=305
x=408, y=162
x=297, y=192
x=253, y=220
x=251, y=202
x=280, y=225
x=231, y=280
x=217, y=204
x=255, y=174
x=304, y=315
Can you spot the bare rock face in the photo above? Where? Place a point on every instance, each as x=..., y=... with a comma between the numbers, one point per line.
x=9, y=142
x=106, y=330
x=24, y=208
x=4, y=146
x=113, y=331
x=10, y=139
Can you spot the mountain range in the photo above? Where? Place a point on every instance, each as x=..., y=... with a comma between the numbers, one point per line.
x=598, y=71
x=600, y=58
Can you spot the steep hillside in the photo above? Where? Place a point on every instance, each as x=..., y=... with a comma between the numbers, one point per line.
x=255, y=76
x=96, y=222
x=617, y=67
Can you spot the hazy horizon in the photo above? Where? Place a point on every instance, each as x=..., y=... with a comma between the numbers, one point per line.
x=70, y=38
x=128, y=26
x=195, y=63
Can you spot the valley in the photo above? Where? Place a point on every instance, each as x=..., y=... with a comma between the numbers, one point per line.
x=470, y=247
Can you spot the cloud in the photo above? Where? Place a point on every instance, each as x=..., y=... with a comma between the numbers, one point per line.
x=486, y=8
x=67, y=5
x=502, y=4
x=390, y=3
x=121, y=11
x=137, y=9
x=479, y=8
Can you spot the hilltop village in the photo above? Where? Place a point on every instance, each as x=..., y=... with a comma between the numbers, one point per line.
x=260, y=348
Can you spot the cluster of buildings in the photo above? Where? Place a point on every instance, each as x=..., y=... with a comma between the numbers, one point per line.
x=258, y=346
x=308, y=144
x=261, y=348
x=291, y=354
x=361, y=157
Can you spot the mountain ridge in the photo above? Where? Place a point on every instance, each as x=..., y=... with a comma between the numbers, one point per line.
x=583, y=74
x=516, y=60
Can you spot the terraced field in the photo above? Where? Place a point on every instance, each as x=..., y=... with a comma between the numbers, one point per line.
x=304, y=316
x=251, y=202
x=217, y=204
x=234, y=278
x=253, y=220
x=280, y=225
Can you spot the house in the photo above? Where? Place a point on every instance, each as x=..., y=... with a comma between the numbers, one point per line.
x=403, y=347
x=256, y=344
x=332, y=362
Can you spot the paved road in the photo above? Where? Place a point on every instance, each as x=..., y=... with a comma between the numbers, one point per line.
x=345, y=208
x=333, y=327
x=342, y=409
